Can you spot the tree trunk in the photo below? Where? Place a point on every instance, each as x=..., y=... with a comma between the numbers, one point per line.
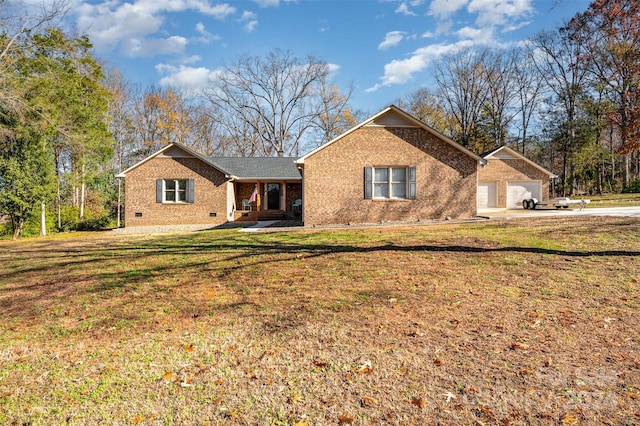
x=58, y=196
x=17, y=226
x=564, y=173
x=43, y=219
x=82, y=187
x=627, y=167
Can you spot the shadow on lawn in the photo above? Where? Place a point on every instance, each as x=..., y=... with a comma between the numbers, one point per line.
x=101, y=267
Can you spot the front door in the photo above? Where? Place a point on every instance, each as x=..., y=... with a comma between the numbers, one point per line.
x=273, y=196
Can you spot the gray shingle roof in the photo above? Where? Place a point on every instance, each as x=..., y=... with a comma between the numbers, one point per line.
x=264, y=168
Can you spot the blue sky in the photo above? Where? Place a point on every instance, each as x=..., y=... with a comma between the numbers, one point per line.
x=383, y=47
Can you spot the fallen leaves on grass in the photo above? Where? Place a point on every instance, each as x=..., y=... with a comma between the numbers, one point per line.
x=632, y=395
x=365, y=368
x=515, y=346
x=295, y=398
x=345, y=419
x=419, y=402
x=137, y=420
x=368, y=401
x=569, y=419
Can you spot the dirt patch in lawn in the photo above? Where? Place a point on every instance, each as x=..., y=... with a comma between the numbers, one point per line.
x=508, y=323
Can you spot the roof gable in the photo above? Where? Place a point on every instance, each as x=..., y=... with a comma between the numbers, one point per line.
x=174, y=151
x=393, y=116
x=506, y=153
x=390, y=119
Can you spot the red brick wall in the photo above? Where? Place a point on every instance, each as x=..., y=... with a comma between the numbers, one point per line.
x=334, y=178
x=294, y=192
x=210, y=194
x=502, y=171
x=243, y=192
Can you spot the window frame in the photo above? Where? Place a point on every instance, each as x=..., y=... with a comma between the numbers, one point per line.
x=371, y=184
x=187, y=188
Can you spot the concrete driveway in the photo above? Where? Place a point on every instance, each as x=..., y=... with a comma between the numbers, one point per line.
x=519, y=212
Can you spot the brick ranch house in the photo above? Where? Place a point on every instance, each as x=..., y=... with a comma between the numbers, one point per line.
x=391, y=167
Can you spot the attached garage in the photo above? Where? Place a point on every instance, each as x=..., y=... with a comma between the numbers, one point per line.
x=487, y=195
x=508, y=178
x=518, y=191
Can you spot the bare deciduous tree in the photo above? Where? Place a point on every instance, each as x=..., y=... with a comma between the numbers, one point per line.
x=276, y=97
x=529, y=89
x=428, y=108
x=463, y=87
x=334, y=117
x=499, y=71
x=562, y=63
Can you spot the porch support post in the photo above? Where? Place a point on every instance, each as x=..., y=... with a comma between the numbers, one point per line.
x=259, y=197
x=283, y=196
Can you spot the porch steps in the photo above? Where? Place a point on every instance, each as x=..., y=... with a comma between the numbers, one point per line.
x=270, y=215
x=264, y=215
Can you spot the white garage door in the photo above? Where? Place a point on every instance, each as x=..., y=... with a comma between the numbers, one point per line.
x=486, y=195
x=518, y=191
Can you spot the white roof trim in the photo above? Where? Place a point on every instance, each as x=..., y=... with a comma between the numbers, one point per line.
x=407, y=117
x=165, y=149
x=490, y=156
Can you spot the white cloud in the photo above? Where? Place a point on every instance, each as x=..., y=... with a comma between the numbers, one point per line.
x=205, y=36
x=478, y=35
x=186, y=78
x=150, y=47
x=191, y=59
x=404, y=9
x=444, y=27
x=108, y=28
x=267, y=3
x=498, y=12
x=333, y=67
x=401, y=71
x=515, y=27
x=445, y=8
x=391, y=39
x=250, y=21
x=112, y=24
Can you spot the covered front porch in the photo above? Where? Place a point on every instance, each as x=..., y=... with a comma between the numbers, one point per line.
x=267, y=200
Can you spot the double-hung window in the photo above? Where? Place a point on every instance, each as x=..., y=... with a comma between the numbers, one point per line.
x=174, y=190
x=390, y=182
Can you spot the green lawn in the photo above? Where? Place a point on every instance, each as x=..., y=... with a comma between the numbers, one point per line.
x=515, y=322
x=614, y=200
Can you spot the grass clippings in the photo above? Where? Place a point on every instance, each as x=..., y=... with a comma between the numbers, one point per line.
x=508, y=323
